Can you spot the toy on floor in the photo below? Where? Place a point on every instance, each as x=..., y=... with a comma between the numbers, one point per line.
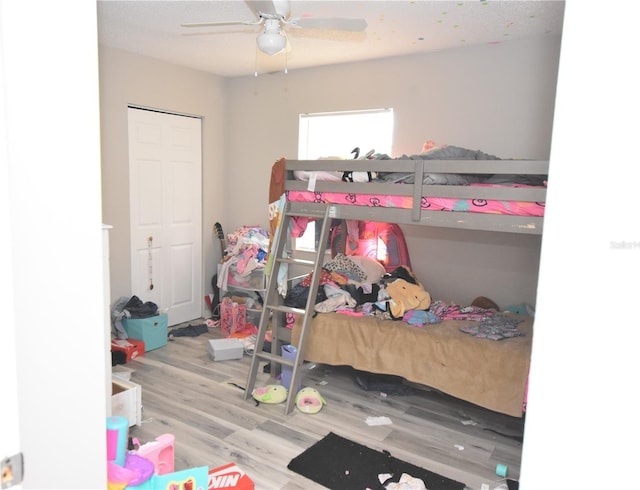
x=309, y=400
x=160, y=452
x=117, y=434
x=189, y=479
x=135, y=471
x=124, y=468
x=270, y=394
x=141, y=467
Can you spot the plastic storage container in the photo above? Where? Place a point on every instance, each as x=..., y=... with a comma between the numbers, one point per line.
x=152, y=330
x=289, y=352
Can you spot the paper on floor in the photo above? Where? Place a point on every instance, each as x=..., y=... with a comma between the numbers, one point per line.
x=378, y=421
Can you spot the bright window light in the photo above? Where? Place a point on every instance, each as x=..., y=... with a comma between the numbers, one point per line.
x=336, y=135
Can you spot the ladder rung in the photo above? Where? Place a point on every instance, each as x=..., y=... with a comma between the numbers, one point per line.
x=267, y=356
x=306, y=213
x=310, y=263
x=286, y=309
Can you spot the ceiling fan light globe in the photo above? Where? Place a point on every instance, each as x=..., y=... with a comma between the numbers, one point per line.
x=271, y=43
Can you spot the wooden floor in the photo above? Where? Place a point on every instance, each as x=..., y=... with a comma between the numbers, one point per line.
x=186, y=394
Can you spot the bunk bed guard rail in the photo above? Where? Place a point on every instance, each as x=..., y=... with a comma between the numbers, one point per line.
x=415, y=213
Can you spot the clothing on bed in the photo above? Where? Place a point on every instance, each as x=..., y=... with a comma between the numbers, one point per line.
x=441, y=153
x=495, y=327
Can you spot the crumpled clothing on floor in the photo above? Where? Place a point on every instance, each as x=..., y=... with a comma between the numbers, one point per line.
x=406, y=482
x=189, y=331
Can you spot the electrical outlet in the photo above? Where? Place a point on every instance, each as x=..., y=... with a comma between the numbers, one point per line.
x=11, y=471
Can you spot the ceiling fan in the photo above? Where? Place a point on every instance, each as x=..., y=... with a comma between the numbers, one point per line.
x=276, y=15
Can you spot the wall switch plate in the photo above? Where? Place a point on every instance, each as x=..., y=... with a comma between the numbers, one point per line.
x=11, y=471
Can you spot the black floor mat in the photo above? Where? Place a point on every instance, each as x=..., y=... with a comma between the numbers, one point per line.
x=340, y=464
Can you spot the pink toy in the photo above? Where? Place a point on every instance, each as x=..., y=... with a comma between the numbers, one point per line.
x=117, y=433
x=142, y=469
x=160, y=452
x=135, y=471
x=119, y=474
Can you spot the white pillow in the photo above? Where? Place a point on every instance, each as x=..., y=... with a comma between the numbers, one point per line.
x=371, y=267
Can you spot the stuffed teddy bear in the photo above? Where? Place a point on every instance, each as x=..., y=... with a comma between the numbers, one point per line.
x=270, y=394
x=309, y=400
x=406, y=296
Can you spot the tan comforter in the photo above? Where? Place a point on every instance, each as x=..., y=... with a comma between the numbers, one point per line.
x=489, y=373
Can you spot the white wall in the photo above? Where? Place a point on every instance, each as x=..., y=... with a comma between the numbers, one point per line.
x=498, y=99
x=581, y=430
x=458, y=266
x=54, y=287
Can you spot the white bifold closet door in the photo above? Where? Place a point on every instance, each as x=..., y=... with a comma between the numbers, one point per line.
x=165, y=198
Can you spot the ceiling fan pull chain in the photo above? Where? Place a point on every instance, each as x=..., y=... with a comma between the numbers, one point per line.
x=255, y=72
x=286, y=56
x=150, y=261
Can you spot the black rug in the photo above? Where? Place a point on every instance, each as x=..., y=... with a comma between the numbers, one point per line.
x=340, y=464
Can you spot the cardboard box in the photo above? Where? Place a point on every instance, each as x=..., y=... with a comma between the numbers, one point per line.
x=126, y=400
x=225, y=349
x=122, y=372
x=153, y=331
x=131, y=347
x=229, y=476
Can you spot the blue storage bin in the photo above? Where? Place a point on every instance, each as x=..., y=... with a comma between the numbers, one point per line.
x=153, y=331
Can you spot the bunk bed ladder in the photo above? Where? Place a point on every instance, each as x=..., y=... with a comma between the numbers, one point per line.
x=274, y=310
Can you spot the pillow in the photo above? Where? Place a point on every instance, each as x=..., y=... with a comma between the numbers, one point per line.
x=325, y=176
x=373, y=269
x=344, y=265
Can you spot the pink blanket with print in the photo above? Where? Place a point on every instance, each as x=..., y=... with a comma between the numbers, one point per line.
x=514, y=208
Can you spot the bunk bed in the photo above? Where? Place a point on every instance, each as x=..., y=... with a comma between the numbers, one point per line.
x=492, y=195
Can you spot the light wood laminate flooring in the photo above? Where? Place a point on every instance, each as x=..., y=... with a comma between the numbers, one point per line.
x=199, y=401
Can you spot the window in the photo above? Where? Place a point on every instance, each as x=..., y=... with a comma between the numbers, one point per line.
x=336, y=134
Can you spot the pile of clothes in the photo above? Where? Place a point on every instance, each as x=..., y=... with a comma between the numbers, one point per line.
x=354, y=285
x=245, y=254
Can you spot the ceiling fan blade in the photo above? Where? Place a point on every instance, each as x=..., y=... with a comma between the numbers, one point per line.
x=223, y=23
x=336, y=24
x=328, y=35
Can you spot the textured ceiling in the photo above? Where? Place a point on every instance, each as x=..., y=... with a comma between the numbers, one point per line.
x=153, y=28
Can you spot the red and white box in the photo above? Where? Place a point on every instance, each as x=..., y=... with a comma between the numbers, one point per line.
x=131, y=347
x=229, y=476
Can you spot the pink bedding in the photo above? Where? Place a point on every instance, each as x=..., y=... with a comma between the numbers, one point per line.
x=514, y=208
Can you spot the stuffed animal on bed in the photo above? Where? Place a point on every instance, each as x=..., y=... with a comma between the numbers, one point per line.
x=309, y=400
x=406, y=296
x=270, y=394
